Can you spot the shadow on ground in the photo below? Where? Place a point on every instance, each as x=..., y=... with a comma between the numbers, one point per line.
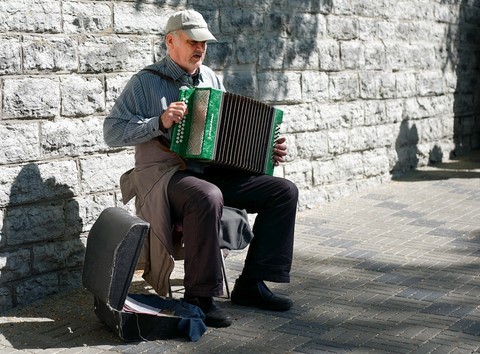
x=65, y=320
x=462, y=167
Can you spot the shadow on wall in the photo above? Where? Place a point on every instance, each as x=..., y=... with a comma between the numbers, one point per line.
x=254, y=60
x=464, y=166
x=406, y=147
x=462, y=56
x=253, y=43
x=40, y=248
x=463, y=49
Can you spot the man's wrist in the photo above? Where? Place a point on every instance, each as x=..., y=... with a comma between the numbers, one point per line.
x=160, y=125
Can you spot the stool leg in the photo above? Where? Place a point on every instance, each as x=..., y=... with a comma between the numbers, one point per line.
x=224, y=271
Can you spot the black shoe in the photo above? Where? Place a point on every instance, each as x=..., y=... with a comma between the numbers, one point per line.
x=214, y=315
x=256, y=293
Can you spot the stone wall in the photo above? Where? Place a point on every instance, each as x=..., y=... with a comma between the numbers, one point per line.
x=369, y=89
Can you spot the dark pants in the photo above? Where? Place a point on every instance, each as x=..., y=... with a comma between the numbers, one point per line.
x=197, y=200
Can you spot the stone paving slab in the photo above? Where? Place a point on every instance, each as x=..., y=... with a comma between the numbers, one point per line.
x=391, y=269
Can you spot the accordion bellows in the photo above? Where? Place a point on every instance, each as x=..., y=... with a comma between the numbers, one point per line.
x=227, y=129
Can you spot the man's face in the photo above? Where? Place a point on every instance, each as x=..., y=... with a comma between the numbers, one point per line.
x=186, y=52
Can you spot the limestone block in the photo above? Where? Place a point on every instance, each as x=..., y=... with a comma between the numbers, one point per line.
x=312, y=145
x=2, y=239
x=302, y=54
x=421, y=57
x=5, y=298
x=82, y=96
x=300, y=118
x=430, y=83
x=58, y=255
x=352, y=55
x=406, y=84
x=88, y=17
x=386, y=135
x=367, y=31
x=394, y=110
x=338, y=141
x=34, y=182
x=279, y=87
x=344, y=86
x=19, y=142
x=374, y=54
x=114, y=87
x=329, y=55
x=342, y=27
x=220, y=55
x=114, y=53
x=396, y=53
x=72, y=137
x=241, y=80
x=324, y=172
x=31, y=97
x=376, y=162
x=241, y=18
x=34, y=223
x=300, y=173
x=49, y=53
x=314, y=86
x=70, y=279
x=308, y=25
x=272, y=53
x=375, y=112
x=349, y=166
x=311, y=198
x=10, y=60
x=244, y=51
x=101, y=173
x=375, y=85
x=36, y=288
x=42, y=15
x=350, y=114
x=147, y=18
x=363, y=138
x=14, y=265
x=89, y=207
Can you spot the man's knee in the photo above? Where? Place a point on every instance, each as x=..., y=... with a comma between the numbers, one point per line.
x=289, y=190
x=209, y=197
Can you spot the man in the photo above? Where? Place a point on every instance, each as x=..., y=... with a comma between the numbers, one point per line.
x=168, y=189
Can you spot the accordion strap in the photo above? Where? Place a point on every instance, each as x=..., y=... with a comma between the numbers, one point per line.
x=169, y=78
x=158, y=73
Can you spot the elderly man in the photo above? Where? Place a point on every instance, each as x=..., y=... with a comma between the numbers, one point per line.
x=168, y=189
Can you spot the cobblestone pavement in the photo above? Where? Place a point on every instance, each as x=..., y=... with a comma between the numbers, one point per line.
x=391, y=269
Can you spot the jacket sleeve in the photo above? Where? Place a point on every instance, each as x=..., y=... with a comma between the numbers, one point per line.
x=129, y=122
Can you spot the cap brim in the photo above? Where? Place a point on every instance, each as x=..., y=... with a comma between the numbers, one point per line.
x=200, y=34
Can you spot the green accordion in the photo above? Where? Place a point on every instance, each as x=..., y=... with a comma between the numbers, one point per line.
x=227, y=129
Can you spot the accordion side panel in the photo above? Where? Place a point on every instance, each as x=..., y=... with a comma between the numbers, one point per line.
x=211, y=124
x=264, y=149
x=278, y=118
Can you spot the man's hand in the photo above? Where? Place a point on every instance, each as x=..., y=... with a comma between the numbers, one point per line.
x=279, y=151
x=173, y=114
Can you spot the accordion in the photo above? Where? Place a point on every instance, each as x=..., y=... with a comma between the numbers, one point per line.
x=227, y=129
